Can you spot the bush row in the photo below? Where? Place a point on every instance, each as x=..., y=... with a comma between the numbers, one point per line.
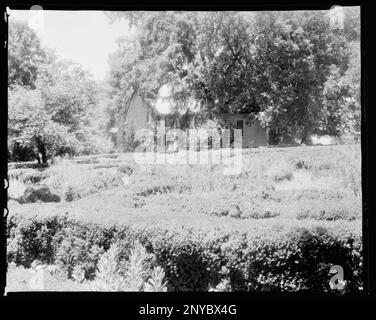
x=265, y=257
x=74, y=183
x=28, y=175
x=258, y=206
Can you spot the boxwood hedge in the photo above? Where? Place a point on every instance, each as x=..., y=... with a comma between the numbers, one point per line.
x=265, y=257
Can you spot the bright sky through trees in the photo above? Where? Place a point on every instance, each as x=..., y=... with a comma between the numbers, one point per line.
x=86, y=37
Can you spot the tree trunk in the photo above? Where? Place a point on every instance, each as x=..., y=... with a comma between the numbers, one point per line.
x=305, y=136
x=273, y=136
x=44, y=158
x=43, y=152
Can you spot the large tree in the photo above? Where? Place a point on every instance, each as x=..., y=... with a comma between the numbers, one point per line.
x=25, y=55
x=68, y=92
x=54, y=105
x=31, y=127
x=276, y=66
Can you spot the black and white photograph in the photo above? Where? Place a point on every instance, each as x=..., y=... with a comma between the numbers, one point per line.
x=184, y=151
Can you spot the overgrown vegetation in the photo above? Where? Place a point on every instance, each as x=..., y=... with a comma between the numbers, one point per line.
x=109, y=223
x=135, y=274
x=270, y=256
x=55, y=107
x=244, y=232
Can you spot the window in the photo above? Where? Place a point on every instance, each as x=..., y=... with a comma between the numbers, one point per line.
x=240, y=125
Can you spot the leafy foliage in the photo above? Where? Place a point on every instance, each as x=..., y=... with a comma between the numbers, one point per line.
x=73, y=182
x=201, y=226
x=25, y=55
x=266, y=257
x=31, y=126
x=277, y=66
x=54, y=106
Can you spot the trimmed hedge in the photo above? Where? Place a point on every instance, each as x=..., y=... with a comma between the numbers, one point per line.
x=257, y=205
x=266, y=257
x=28, y=175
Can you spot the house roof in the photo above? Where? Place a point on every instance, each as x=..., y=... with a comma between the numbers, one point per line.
x=166, y=103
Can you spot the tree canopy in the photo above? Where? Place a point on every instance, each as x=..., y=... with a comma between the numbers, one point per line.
x=25, y=55
x=283, y=68
x=54, y=105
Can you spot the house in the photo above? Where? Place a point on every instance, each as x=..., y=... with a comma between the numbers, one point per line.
x=142, y=114
x=253, y=134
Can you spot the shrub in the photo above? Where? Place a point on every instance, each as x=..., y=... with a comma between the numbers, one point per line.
x=155, y=283
x=129, y=142
x=223, y=286
x=128, y=168
x=160, y=182
x=74, y=182
x=32, y=239
x=303, y=164
x=108, y=276
x=265, y=257
x=235, y=206
x=39, y=193
x=189, y=219
x=260, y=209
x=28, y=175
x=80, y=246
x=346, y=209
x=320, y=205
x=138, y=276
x=304, y=194
x=280, y=171
x=19, y=152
